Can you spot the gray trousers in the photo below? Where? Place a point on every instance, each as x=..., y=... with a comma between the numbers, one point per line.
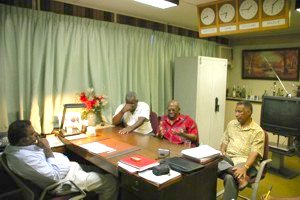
x=108, y=190
x=231, y=190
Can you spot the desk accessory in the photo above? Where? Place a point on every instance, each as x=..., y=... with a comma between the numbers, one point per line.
x=163, y=153
x=161, y=169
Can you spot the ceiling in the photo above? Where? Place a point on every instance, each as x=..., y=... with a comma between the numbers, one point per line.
x=184, y=15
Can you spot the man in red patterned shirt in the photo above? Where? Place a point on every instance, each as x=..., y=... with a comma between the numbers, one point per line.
x=178, y=128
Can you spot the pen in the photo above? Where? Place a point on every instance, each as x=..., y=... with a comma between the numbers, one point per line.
x=268, y=194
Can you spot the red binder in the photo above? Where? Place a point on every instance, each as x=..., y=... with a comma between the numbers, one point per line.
x=139, y=162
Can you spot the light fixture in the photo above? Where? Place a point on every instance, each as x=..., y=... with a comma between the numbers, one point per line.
x=160, y=3
x=297, y=5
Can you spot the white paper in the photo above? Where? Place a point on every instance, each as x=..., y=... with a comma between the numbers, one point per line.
x=203, y=151
x=96, y=147
x=74, y=137
x=54, y=141
x=148, y=174
x=127, y=167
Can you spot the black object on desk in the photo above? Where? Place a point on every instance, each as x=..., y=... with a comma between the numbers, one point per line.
x=182, y=165
x=161, y=169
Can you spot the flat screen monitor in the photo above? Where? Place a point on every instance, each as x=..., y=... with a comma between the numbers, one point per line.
x=281, y=115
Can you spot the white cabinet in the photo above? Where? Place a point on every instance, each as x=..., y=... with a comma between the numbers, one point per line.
x=200, y=88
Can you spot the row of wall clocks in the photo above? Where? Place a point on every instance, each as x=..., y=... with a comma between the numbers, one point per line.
x=236, y=12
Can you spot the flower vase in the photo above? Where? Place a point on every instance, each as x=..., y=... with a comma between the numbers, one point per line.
x=94, y=118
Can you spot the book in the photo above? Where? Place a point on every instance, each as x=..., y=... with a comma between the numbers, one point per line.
x=139, y=162
x=202, y=154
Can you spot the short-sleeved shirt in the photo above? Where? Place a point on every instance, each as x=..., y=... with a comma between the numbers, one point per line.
x=142, y=110
x=184, y=122
x=241, y=141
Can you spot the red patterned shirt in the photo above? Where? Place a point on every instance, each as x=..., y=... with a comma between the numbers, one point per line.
x=184, y=122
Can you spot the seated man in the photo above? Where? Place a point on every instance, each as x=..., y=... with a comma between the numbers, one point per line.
x=32, y=158
x=177, y=128
x=243, y=147
x=134, y=115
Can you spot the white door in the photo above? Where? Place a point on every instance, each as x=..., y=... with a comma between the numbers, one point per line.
x=212, y=73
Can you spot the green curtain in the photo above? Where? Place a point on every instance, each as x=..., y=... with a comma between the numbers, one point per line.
x=47, y=59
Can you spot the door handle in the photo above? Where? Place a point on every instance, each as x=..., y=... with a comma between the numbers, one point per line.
x=217, y=106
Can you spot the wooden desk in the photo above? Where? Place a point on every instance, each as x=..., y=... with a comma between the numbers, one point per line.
x=198, y=185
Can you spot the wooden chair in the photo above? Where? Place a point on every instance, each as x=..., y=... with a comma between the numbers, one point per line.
x=32, y=192
x=254, y=181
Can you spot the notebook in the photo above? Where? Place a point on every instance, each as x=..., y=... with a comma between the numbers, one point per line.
x=139, y=162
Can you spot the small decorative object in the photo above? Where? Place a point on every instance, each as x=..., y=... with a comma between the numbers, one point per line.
x=93, y=107
x=91, y=131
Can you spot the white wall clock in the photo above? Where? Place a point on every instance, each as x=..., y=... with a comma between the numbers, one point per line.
x=248, y=9
x=273, y=7
x=207, y=16
x=226, y=12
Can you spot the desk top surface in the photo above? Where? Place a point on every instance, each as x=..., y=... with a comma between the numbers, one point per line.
x=138, y=144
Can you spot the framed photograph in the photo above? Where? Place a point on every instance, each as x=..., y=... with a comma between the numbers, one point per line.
x=267, y=63
x=71, y=121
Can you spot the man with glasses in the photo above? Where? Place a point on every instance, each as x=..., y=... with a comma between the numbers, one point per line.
x=133, y=115
x=178, y=128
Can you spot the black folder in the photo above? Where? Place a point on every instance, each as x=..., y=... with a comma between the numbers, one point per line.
x=182, y=165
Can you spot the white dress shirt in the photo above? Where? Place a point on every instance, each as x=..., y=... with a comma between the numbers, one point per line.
x=31, y=163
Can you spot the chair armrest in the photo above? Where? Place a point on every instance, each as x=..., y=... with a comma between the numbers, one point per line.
x=56, y=185
x=261, y=169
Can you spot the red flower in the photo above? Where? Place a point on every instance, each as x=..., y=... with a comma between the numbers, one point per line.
x=91, y=101
x=83, y=97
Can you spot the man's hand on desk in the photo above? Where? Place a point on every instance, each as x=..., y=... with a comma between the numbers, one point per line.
x=126, y=130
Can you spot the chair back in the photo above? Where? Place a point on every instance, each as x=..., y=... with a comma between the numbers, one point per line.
x=154, y=122
x=28, y=194
x=31, y=191
x=266, y=147
x=266, y=153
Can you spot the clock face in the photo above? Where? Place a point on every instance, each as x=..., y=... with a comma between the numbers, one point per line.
x=273, y=7
x=226, y=13
x=207, y=16
x=248, y=9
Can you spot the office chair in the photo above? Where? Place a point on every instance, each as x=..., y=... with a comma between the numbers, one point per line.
x=154, y=120
x=55, y=191
x=254, y=181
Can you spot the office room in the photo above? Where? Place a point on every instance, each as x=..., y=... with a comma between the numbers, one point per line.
x=67, y=65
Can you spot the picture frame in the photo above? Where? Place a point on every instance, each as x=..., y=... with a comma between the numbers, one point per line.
x=267, y=63
x=71, y=122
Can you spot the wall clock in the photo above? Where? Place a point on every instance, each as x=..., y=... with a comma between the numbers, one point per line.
x=207, y=16
x=226, y=12
x=273, y=7
x=248, y=9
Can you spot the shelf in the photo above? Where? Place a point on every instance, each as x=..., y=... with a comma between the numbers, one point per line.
x=241, y=99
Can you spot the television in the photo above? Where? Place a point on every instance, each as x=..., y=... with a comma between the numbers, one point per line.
x=281, y=115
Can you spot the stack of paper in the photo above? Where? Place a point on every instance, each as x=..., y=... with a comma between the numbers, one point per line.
x=148, y=174
x=75, y=137
x=96, y=147
x=202, y=154
x=54, y=141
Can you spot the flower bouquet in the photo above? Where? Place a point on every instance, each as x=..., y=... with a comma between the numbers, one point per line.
x=94, y=105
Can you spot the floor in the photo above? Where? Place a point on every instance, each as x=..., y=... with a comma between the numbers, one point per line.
x=281, y=187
